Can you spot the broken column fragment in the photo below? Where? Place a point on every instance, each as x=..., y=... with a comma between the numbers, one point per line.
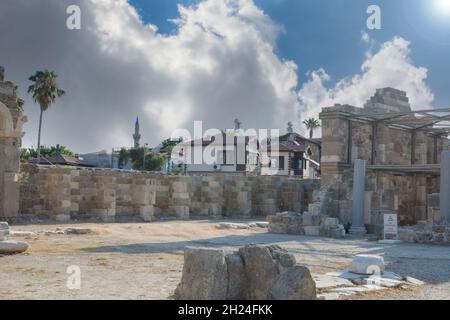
x=9, y=246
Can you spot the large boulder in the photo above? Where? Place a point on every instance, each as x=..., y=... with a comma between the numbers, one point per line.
x=13, y=247
x=295, y=283
x=255, y=272
x=263, y=265
x=205, y=275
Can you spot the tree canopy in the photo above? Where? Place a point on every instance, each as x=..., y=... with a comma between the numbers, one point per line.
x=153, y=161
x=311, y=124
x=46, y=151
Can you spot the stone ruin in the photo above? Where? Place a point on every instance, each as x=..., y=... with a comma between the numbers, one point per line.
x=429, y=231
x=11, y=121
x=388, y=100
x=8, y=246
x=254, y=272
x=314, y=222
x=400, y=162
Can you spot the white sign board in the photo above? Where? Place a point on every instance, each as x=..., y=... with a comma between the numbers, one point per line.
x=390, y=226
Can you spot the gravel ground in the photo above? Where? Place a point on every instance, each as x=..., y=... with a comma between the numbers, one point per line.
x=145, y=260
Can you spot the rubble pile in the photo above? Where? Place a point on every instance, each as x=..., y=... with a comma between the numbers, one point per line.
x=431, y=231
x=309, y=223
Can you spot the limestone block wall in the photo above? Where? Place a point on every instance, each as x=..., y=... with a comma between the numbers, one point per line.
x=433, y=206
x=238, y=191
x=404, y=194
x=64, y=193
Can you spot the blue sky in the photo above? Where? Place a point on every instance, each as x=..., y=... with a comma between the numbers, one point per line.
x=327, y=34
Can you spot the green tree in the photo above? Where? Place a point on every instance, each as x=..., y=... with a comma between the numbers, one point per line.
x=167, y=147
x=153, y=161
x=45, y=90
x=45, y=151
x=311, y=124
x=178, y=171
x=168, y=144
x=124, y=157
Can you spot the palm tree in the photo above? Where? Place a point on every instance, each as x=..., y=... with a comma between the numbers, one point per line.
x=45, y=90
x=311, y=124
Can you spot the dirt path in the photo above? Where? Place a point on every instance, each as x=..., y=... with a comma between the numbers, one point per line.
x=144, y=261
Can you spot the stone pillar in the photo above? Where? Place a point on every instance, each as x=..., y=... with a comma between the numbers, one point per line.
x=445, y=185
x=358, y=198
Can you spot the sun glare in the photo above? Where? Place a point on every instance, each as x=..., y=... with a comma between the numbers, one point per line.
x=443, y=6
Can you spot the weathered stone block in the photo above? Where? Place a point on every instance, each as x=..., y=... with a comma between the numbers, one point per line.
x=331, y=223
x=205, y=275
x=367, y=264
x=295, y=283
x=263, y=265
x=314, y=209
x=313, y=231
x=307, y=219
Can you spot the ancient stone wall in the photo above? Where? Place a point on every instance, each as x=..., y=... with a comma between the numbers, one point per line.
x=11, y=121
x=64, y=193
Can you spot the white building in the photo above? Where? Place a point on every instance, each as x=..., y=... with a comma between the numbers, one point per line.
x=293, y=155
x=224, y=153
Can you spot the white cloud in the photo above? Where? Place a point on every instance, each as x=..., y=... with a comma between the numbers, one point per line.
x=219, y=64
x=391, y=66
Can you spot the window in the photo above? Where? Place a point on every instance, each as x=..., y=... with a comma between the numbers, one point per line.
x=281, y=163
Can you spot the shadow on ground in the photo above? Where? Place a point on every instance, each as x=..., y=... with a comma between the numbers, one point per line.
x=424, y=262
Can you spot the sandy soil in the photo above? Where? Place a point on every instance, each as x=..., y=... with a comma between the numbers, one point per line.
x=144, y=261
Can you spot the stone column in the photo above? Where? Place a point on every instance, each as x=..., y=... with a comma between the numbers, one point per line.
x=445, y=185
x=358, y=198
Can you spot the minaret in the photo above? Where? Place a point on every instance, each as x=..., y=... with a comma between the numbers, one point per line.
x=137, y=134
